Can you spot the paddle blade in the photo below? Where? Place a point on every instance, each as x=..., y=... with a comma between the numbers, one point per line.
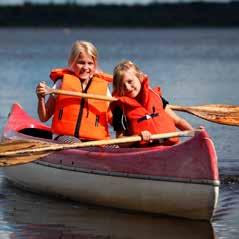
x=13, y=146
x=217, y=113
x=21, y=159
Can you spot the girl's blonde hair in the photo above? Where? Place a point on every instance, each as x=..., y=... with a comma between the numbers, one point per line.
x=119, y=72
x=80, y=47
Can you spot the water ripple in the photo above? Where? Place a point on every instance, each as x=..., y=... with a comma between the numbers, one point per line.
x=225, y=220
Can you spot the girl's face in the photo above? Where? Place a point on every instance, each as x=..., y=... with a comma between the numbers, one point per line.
x=84, y=67
x=131, y=84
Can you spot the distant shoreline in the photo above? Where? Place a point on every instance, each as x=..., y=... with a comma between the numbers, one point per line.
x=155, y=15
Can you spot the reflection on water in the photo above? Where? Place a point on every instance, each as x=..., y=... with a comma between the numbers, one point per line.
x=36, y=217
x=229, y=171
x=225, y=220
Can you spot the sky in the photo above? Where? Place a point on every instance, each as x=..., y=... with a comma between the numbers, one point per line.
x=92, y=2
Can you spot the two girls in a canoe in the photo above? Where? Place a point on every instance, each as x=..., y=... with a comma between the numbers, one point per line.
x=140, y=110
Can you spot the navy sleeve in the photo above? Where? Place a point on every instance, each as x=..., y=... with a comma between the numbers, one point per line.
x=117, y=119
x=165, y=102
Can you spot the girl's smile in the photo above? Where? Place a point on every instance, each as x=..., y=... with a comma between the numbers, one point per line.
x=84, y=67
x=131, y=84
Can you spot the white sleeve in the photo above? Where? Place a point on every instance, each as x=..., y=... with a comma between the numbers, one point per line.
x=108, y=92
x=57, y=84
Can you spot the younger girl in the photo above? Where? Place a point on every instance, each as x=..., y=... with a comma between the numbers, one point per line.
x=77, y=118
x=141, y=110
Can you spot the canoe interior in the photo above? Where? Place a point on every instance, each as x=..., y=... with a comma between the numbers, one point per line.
x=39, y=133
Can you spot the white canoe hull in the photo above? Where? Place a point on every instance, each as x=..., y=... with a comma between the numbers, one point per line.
x=192, y=200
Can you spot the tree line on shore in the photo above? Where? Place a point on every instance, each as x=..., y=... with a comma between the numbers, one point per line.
x=180, y=14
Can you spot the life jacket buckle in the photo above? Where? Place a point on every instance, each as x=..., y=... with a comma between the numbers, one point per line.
x=147, y=117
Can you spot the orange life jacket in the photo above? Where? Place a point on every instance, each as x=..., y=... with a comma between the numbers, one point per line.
x=80, y=117
x=147, y=115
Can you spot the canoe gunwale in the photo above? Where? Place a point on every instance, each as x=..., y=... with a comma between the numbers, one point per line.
x=215, y=183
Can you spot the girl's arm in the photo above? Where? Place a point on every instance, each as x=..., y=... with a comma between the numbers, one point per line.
x=45, y=110
x=179, y=122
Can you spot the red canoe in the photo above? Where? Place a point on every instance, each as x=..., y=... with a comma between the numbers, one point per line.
x=180, y=180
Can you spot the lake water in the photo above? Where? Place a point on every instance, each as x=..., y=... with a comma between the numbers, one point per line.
x=192, y=66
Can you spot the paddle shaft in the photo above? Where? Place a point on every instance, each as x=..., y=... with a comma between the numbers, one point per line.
x=82, y=95
x=56, y=147
x=217, y=113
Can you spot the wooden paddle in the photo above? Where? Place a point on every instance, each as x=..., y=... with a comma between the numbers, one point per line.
x=217, y=113
x=79, y=94
x=31, y=151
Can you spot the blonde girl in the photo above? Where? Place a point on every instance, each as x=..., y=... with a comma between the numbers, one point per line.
x=73, y=117
x=140, y=109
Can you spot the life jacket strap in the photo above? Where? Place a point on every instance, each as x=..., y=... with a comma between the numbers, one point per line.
x=147, y=116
